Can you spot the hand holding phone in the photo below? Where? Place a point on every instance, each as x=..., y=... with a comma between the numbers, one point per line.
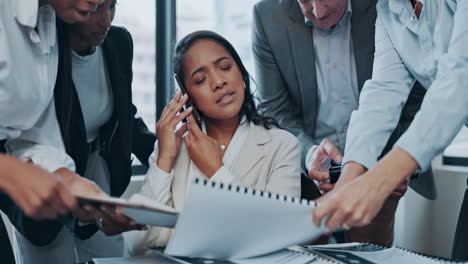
x=189, y=103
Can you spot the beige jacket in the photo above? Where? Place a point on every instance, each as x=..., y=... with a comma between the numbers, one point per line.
x=269, y=160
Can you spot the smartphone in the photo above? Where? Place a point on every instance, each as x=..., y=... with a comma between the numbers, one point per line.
x=195, y=112
x=335, y=171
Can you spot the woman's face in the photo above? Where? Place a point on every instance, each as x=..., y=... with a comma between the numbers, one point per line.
x=72, y=11
x=213, y=80
x=93, y=32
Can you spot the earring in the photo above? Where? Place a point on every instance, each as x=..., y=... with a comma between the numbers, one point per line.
x=245, y=86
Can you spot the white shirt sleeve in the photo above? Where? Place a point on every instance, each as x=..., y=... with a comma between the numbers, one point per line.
x=157, y=186
x=444, y=110
x=380, y=103
x=42, y=144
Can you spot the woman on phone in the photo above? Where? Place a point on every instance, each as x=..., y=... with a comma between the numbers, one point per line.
x=234, y=144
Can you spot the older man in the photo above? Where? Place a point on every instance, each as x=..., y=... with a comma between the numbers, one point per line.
x=312, y=58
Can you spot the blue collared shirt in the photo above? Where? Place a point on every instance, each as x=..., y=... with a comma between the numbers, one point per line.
x=432, y=50
x=337, y=83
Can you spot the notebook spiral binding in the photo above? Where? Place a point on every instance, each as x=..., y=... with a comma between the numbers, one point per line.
x=441, y=260
x=372, y=247
x=299, y=250
x=269, y=195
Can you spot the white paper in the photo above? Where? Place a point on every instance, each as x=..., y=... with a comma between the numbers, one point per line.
x=141, y=209
x=221, y=224
x=280, y=257
x=157, y=258
x=395, y=255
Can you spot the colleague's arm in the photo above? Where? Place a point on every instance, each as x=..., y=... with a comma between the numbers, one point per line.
x=272, y=91
x=380, y=104
x=157, y=187
x=443, y=113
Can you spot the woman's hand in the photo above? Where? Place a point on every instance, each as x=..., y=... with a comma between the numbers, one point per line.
x=41, y=195
x=203, y=150
x=169, y=139
x=81, y=186
x=114, y=222
x=357, y=201
x=352, y=205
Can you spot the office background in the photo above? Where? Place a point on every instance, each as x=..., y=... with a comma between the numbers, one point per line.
x=421, y=225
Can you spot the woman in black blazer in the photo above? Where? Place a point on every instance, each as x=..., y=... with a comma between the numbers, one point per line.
x=93, y=100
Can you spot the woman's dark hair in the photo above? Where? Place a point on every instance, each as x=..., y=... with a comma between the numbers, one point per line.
x=248, y=107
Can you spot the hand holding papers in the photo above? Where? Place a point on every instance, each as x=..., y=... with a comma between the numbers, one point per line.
x=141, y=209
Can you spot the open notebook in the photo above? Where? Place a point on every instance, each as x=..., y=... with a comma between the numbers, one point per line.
x=362, y=253
x=222, y=221
x=228, y=222
x=350, y=253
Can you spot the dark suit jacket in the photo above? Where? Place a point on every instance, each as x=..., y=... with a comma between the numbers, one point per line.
x=123, y=135
x=285, y=66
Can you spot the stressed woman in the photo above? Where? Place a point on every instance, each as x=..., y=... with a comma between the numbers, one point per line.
x=234, y=144
x=99, y=129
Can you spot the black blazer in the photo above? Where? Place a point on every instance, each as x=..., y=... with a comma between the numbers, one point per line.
x=123, y=135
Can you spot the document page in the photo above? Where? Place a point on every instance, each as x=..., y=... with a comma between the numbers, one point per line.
x=234, y=223
x=141, y=209
x=280, y=257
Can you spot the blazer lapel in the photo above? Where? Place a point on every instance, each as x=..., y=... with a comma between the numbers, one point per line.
x=117, y=81
x=302, y=51
x=252, y=152
x=363, y=31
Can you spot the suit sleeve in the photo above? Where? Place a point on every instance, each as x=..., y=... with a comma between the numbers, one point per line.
x=272, y=89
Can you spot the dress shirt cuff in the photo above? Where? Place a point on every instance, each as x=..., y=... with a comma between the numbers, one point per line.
x=46, y=157
x=163, y=173
x=157, y=184
x=158, y=178
x=418, y=148
x=361, y=158
x=307, y=161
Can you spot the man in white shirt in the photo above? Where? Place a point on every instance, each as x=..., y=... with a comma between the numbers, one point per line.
x=422, y=41
x=28, y=66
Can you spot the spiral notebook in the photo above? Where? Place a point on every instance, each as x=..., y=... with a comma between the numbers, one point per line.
x=363, y=253
x=222, y=221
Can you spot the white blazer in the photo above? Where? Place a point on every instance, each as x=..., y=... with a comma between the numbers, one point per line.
x=269, y=160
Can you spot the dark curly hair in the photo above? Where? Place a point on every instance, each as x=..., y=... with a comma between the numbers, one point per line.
x=248, y=107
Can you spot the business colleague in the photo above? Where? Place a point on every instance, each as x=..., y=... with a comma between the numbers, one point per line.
x=235, y=144
x=93, y=99
x=27, y=48
x=312, y=58
x=422, y=41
